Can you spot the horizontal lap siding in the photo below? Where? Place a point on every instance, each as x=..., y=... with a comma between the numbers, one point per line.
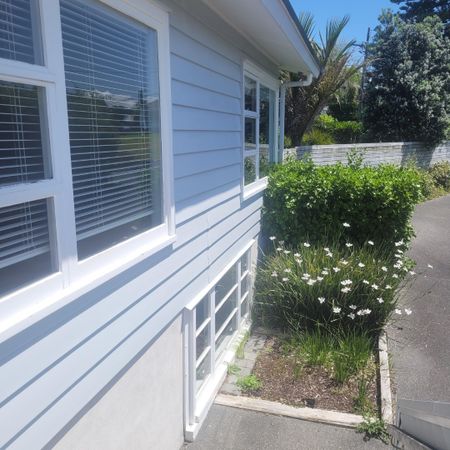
x=51, y=371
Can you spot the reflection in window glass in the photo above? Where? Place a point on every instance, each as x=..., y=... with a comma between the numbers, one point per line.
x=244, y=263
x=249, y=169
x=244, y=308
x=244, y=285
x=18, y=31
x=111, y=68
x=224, y=338
x=250, y=133
x=226, y=283
x=266, y=130
x=22, y=158
x=202, y=341
x=225, y=310
x=250, y=94
x=202, y=311
x=203, y=370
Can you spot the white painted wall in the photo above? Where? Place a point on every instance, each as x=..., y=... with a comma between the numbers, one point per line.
x=60, y=366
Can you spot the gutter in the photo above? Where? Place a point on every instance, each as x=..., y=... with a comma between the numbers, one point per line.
x=283, y=88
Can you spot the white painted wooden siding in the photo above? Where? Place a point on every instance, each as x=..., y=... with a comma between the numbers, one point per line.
x=51, y=371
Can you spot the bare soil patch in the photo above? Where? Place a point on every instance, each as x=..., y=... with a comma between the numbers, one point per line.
x=311, y=386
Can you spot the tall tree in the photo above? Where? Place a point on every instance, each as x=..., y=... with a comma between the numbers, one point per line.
x=303, y=105
x=417, y=10
x=407, y=94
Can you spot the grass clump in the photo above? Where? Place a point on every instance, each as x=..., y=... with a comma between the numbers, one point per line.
x=334, y=288
x=249, y=383
x=374, y=427
x=233, y=369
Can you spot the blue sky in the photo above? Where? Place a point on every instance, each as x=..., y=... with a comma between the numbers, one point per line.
x=363, y=14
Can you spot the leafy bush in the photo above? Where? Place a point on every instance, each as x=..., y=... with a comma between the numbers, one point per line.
x=308, y=202
x=336, y=289
x=317, y=137
x=347, y=132
x=440, y=174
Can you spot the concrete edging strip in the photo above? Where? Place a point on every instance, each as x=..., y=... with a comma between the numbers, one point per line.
x=385, y=380
x=279, y=409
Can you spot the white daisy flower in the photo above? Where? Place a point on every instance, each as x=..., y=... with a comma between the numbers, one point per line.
x=429, y=266
x=336, y=309
x=329, y=254
x=370, y=242
x=336, y=269
x=311, y=282
x=324, y=272
x=297, y=255
x=398, y=311
x=346, y=225
x=286, y=252
x=274, y=274
x=366, y=282
x=397, y=244
x=321, y=299
x=394, y=275
x=272, y=238
x=408, y=311
x=288, y=270
x=306, y=275
x=400, y=251
x=374, y=287
x=327, y=249
x=306, y=244
x=345, y=290
x=319, y=278
x=353, y=307
x=360, y=264
x=346, y=282
x=348, y=245
x=388, y=286
x=411, y=272
x=351, y=315
x=285, y=279
x=344, y=262
x=380, y=300
x=281, y=242
x=279, y=249
x=384, y=269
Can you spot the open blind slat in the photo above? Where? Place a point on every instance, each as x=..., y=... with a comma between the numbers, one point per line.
x=21, y=154
x=17, y=34
x=112, y=84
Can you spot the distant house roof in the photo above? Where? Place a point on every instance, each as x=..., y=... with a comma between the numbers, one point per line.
x=273, y=27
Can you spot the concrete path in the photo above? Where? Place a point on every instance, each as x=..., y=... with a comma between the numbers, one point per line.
x=236, y=429
x=420, y=343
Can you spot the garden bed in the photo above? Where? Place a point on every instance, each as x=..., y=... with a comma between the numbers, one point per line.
x=287, y=379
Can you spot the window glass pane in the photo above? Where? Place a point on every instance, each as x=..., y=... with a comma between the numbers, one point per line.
x=249, y=169
x=111, y=69
x=250, y=133
x=244, y=262
x=225, y=337
x=266, y=130
x=202, y=311
x=21, y=153
x=225, y=310
x=225, y=284
x=244, y=285
x=203, y=370
x=24, y=245
x=202, y=341
x=244, y=307
x=19, y=34
x=250, y=94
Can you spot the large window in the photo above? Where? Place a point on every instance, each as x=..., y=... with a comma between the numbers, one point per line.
x=213, y=320
x=85, y=165
x=260, y=125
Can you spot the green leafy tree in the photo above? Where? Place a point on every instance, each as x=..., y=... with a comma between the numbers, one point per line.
x=407, y=93
x=303, y=105
x=417, y=10
x=344, y=104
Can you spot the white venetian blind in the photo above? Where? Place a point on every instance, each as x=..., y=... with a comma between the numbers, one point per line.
x=112, y=84
x=17, y=34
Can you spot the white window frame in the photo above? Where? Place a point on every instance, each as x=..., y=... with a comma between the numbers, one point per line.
x=261, y=77
x=197, y=402
x=72, y=277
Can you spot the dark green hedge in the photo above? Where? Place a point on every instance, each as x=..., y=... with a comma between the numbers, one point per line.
x=304, y=201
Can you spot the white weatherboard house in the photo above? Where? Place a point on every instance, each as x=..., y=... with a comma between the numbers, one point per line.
x=135, y=137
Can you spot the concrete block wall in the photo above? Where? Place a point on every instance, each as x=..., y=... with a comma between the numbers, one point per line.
x=399, y=153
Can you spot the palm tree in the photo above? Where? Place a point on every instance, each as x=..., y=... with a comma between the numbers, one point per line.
x=303, y=105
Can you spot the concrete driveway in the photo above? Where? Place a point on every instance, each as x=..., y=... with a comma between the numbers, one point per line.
x=420, y=343
x=229, y=428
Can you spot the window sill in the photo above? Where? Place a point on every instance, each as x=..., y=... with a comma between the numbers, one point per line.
x=15, y=323
x=254, y=188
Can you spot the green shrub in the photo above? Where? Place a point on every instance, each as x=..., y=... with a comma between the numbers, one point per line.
x=440, y=174
x=317, y=137
x=347, y=132
x=311, y=287
x=307, y=202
